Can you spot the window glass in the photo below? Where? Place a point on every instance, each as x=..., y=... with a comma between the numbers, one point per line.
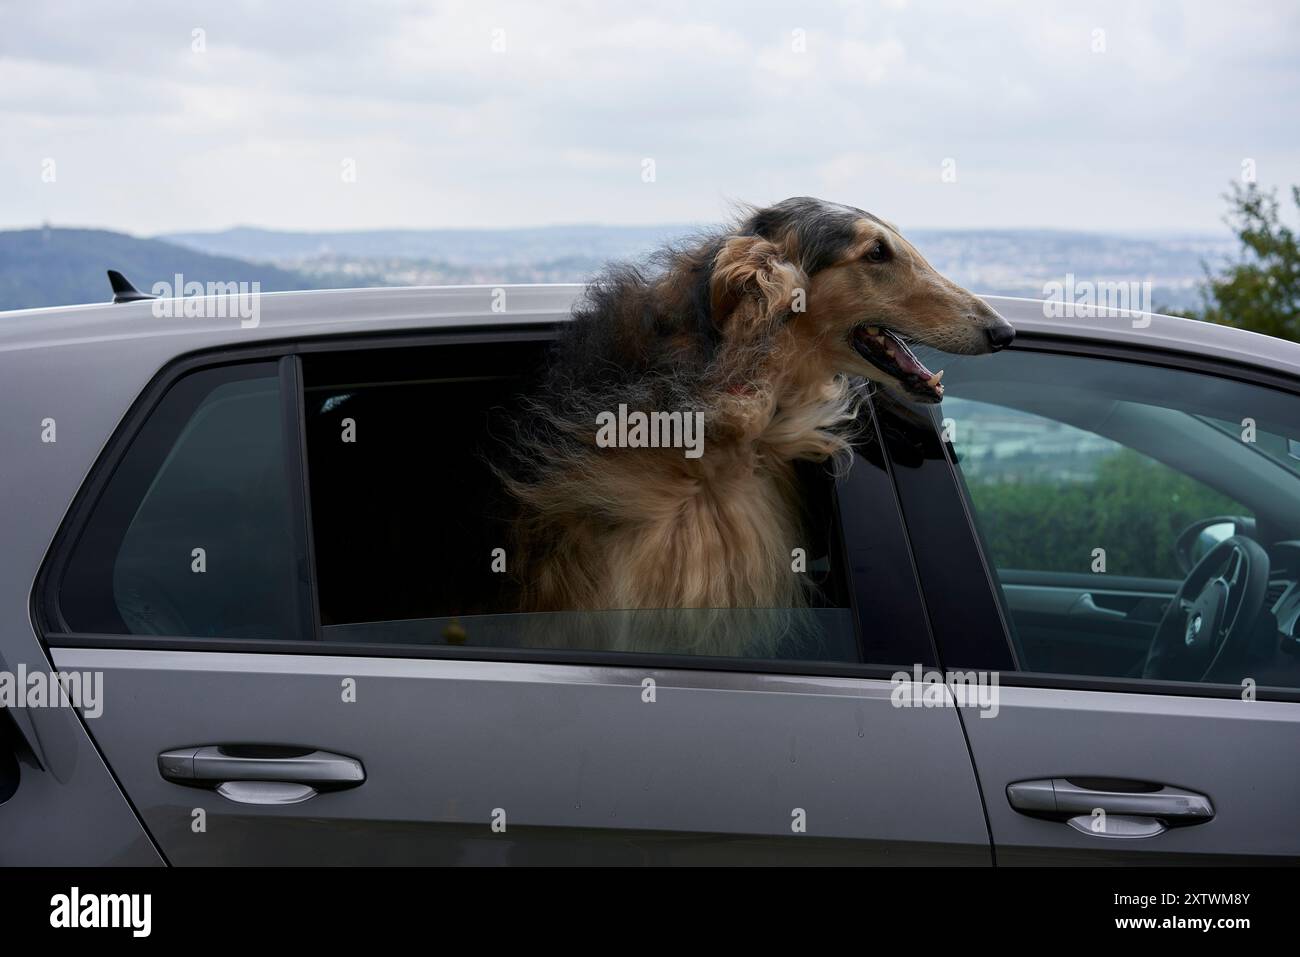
x=1102, y=489
x=1049, y=494
x=412, y=527
x=193, y=535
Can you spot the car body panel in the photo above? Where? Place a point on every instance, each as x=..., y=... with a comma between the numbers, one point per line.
x=68, y=809
x=1244, y=755
x=583, y=765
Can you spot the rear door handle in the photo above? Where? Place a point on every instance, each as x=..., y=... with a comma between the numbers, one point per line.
x=1110, y=807
x=260, y=774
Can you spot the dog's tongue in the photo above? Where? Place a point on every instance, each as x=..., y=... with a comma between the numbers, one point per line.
x=922, y=379
x=888, y=352
x=906, y=360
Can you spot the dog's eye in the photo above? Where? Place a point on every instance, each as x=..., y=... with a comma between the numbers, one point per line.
x=877, y=253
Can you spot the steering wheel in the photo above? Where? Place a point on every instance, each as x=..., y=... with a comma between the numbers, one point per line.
x=1210, y=620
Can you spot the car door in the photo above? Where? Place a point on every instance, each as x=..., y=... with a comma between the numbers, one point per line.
x=285, y=569
x=1061, y=476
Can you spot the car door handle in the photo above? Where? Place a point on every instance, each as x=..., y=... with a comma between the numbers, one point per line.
x=261, y=774
x=1087, y=606
x=1110, y=807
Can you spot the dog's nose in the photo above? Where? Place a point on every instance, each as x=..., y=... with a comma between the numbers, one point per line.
x=1000, y=336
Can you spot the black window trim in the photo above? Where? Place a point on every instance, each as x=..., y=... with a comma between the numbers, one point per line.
x=1170, y=357
x=295, y=447
x=53, y=630
x=956, y=584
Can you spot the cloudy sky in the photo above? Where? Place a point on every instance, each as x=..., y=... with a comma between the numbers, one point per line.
x=164, y=115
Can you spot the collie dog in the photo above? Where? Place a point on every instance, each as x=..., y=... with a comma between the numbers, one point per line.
x=763, y=332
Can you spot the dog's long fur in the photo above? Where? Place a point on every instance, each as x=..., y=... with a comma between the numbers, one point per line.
x=748, y=325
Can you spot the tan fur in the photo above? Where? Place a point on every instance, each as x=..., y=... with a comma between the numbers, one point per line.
x=627, y=530
x=651, y=529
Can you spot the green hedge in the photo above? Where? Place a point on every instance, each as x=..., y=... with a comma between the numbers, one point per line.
x=1134, y=509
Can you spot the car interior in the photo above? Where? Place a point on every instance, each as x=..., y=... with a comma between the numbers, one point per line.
x=1065, y=616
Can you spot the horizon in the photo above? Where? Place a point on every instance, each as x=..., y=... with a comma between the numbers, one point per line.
x=1224, y=233
x=51, y=264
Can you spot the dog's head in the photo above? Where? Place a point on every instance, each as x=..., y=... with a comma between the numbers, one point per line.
x=848, y=293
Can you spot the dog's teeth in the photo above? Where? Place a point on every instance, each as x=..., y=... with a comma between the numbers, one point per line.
x=934, y=379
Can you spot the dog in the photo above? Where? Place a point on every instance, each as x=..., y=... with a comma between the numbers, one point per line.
x=767, y=331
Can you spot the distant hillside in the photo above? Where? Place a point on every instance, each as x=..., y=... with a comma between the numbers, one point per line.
x=60, y=267
x=1007, y=262
x=454, y=247
x=41, y=267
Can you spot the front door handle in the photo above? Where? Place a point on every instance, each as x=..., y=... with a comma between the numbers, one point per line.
x=1128, y=808
x=1086, y=606
x=258, y=774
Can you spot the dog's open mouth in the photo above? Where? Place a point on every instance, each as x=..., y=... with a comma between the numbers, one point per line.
x=887, y=351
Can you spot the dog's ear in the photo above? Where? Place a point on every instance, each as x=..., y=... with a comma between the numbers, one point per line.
x=752, y=283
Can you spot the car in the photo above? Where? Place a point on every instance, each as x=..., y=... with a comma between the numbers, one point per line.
x=1059, y=613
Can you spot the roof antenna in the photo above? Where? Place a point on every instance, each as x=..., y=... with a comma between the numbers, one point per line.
x=123, y=291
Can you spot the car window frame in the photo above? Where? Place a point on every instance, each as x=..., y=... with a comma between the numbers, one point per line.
x=52, y=629
x=954, y=626
x=46, y=612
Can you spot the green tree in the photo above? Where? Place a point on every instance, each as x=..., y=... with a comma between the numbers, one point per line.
x=1261, y=291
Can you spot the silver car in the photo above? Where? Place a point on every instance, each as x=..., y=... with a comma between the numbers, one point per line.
x=255, y=607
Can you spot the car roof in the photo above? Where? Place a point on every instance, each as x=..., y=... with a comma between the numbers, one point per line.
x=331, y=312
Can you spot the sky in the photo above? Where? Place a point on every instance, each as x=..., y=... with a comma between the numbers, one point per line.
x=149, y=116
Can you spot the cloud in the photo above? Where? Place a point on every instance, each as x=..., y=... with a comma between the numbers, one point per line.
x=513, y=113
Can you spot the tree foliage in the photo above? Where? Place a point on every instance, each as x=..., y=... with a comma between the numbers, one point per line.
x=1134, y=508
x=1260, y=291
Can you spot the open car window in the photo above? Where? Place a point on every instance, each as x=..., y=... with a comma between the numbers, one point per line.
x=412, y=525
